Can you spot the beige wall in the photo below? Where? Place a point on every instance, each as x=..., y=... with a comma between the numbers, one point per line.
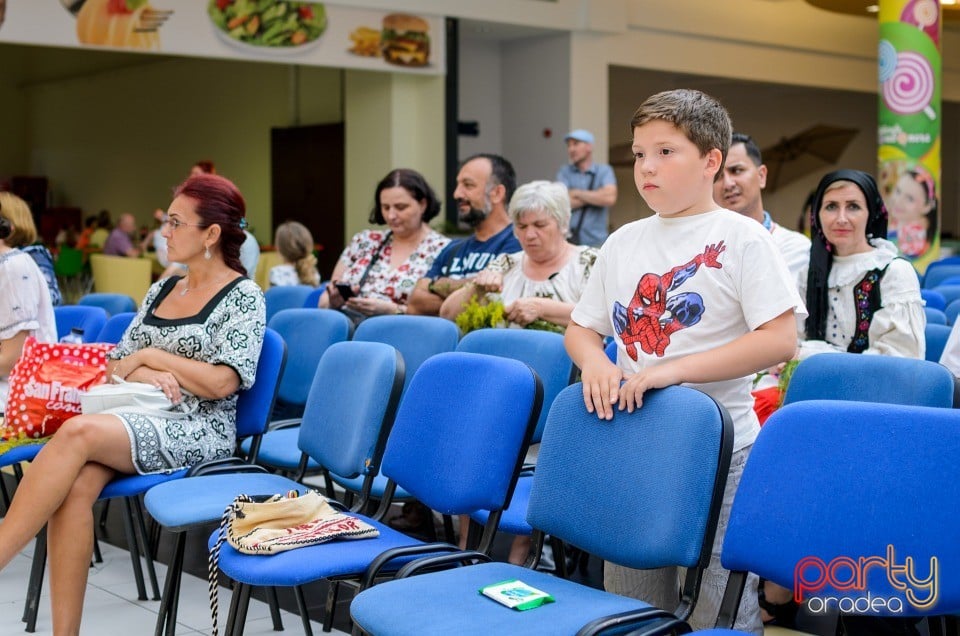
x=121, y=139
x=393, y=121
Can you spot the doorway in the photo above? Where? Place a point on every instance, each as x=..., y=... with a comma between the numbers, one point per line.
x=307, y=171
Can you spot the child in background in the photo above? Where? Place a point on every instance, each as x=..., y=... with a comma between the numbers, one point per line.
x=299, y=267
x=693, y=295
x=913, y=212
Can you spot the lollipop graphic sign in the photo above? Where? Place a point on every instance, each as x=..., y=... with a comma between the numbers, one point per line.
x=908, y=99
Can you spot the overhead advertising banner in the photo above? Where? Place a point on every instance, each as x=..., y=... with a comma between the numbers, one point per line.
x=306, y=33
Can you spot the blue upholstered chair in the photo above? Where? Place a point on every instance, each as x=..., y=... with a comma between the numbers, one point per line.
x=89, y=319
x=456, y=446
x=936, y=337
x=935, y=316
x=417, y=338
x=933, y=299
x=950, y=293
x=846, y=465
x=869, y=378
x=671, y=459
x=115, y=327
x=312, y=301
x=286, y=297
x=353, y=398
x=937, y=273
x=112, y=303
x=544, y=351
x=308, y=334
x=952, y=310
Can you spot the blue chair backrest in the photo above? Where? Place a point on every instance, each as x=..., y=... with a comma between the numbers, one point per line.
x=611, y=350
x=255, y=404
x=846, y=465
x=936, y=337
x=870, y=378
x=950, y=293
x=115, y=327
x=90, y=319
x=654, y=478
x=951, y=312
x=285, y=297
x=113, y=303
x=933, y=299
x=352, y=403
x=415, y=337
x=950, y=280
x=312, y=300
x=308, y=333
x=462, y=430
x=935, y=316
x=542, y=350
x=936, y=274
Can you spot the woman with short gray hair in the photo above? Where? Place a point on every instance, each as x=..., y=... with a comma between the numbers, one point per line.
x=540, y=285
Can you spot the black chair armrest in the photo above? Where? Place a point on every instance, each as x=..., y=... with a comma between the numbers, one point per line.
x=377, y=565
x=645, y=615
x=281, y=424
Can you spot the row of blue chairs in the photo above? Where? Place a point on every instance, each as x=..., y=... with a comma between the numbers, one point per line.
x=844, y=448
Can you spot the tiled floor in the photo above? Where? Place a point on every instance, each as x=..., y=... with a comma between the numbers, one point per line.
x=111, y=605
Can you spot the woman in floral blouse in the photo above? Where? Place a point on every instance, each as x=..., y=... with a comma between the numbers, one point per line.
x=383, y=266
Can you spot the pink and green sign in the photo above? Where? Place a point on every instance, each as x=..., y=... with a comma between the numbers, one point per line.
x=909, y=125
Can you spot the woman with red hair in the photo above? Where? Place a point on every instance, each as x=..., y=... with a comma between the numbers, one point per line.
x=197, y=338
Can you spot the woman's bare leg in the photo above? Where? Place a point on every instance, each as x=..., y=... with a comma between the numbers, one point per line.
x=100, y=439
x=70, y=546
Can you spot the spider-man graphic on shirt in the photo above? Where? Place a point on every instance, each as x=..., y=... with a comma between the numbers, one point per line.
x=653, y=314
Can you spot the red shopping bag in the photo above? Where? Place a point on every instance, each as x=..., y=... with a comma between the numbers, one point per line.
x=45, y=387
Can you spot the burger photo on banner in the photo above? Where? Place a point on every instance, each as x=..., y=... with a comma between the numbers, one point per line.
x=405, y=40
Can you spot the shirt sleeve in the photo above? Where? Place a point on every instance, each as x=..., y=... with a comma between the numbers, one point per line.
x=590, y=310
x=765, y=285
x=897, y=328
x=436, y=269
x=605, y=176
x=20, y=305
x=239, y=336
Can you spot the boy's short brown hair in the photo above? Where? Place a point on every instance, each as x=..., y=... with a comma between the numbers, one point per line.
x=703, y=120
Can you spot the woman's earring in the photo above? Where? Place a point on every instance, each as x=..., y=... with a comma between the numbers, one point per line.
x=206, y=253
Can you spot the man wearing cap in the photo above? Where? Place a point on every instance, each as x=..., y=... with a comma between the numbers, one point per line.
x=592, y=187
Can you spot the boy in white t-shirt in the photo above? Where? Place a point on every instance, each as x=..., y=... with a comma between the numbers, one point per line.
x=694, y=295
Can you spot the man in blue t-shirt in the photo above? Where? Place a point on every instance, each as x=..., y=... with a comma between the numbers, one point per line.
x=485, y=184
x=592, y=187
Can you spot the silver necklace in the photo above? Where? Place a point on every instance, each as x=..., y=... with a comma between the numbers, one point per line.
x=187, y=288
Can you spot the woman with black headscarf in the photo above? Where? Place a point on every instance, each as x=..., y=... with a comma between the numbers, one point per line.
x=860, y=296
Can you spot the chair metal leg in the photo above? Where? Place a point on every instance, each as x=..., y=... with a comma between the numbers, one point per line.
x=35, y=582
x=136, y=509
x=302, y=607
x=448, y=532
x=97, y=555
x=169, y=602
x=103, y=513
x=132, y=546
x=238, y=619
x=330, y=606
x=274, y=601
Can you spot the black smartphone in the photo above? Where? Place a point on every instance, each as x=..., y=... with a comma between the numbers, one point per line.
x=345, y=290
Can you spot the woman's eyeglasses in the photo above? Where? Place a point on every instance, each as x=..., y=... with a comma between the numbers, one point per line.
x=175, y=223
